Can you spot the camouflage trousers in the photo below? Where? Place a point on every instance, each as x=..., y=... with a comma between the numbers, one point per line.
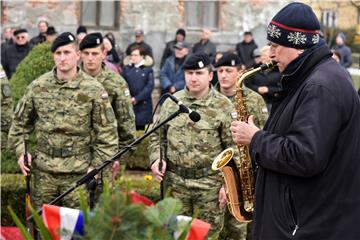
x=201, y=194
x=233, y=229
x=47, y=186
x=4, y=140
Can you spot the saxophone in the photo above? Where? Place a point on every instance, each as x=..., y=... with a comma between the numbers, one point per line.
x=240, y=182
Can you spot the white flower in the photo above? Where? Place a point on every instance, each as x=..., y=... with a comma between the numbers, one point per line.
x=296, y=38
x=273, y=31
x=316, y=38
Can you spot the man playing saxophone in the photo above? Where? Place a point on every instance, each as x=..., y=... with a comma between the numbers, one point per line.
x=228, y=70
x=191, y=147
x=308, y=180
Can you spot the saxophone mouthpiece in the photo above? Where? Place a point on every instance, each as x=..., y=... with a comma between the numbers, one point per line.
x=268, y=65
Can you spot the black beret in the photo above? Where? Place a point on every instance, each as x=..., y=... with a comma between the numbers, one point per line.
x=91, y=40
x=63, y=39
x=81, y=29
x=20, y=30
x=51, y=31
x=228, y=59
x=197, y=61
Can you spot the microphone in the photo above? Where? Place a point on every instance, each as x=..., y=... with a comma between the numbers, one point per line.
x=194, y=116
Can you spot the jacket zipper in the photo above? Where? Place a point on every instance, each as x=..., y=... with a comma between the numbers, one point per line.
x=296, y=228
x=293, y=214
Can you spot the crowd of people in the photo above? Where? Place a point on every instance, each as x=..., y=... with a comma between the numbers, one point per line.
x=302, y=133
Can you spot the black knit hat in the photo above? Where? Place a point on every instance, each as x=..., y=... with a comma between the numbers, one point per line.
x=51, y=31
x=63, y=39
x=20, y=30
x=197, y=61
x=91, y=40
x=295, y=26
x=228, y=59
x=181, y=31
x=81, y=29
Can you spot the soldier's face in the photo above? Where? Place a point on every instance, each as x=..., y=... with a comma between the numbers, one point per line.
x=283, y=55
x=66, y=57
x=197, y=81
x=227, y=76
x=92, y=58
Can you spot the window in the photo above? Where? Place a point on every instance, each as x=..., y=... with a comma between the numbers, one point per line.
x=99, y=14
x=328, y=18
x=202, y=14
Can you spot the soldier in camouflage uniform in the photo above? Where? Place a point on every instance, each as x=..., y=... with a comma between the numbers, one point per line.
x=192, y=147
x=63, y=107
x=6, y=108
x=92, y=55
x=228, y=68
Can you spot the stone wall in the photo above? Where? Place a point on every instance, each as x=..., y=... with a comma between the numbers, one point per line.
x=158, y=19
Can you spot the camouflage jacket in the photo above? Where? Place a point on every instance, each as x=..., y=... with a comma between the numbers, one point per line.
x=255, y=105
x=6, y=102
x=120, y=99
x=195, y=145
x=63, y=114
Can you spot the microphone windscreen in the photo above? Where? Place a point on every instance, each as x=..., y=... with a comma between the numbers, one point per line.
x=194, y=116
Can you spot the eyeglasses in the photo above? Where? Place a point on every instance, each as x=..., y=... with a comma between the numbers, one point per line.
x=20, y=37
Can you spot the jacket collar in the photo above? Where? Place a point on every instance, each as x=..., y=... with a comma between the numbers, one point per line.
x=297, y=71
x=205, y=101
x=73, y=83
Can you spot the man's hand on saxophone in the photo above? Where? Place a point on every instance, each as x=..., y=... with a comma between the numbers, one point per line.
x=243, y=132
x=156, y=171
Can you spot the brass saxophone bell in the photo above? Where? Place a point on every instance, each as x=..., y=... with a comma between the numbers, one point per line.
x=222, y=159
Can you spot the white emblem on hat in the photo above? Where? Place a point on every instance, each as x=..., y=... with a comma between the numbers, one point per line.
x=273, y=31
x=233, y=62
x=315, y=39
x=296, y=38
x=71, y=38
x=98, y=41
x=201, y=64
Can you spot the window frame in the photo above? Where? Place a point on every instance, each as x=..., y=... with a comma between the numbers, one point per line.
x=326, y=12
x=199, y=28
x=97, y=17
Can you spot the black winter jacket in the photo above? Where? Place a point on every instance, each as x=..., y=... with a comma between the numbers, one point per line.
x=308, y=156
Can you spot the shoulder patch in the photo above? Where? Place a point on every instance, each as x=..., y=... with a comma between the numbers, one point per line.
x=2, y=74
x=6, y=91
x=104, y=95
x=127, y=92
x=233, y=115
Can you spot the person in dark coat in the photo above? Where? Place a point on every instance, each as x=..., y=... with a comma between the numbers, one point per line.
x=307, y=155
x=41, y=37
x=15, y=53
x=172, y=78
x=7, y=39
x=205, y=44
x=345, y=51
x=141, y=84
x=265, y=83
x=139, y=41
x=169, y=48
x=245, y=49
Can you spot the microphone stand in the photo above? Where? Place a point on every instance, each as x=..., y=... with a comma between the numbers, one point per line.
x=91, y=175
